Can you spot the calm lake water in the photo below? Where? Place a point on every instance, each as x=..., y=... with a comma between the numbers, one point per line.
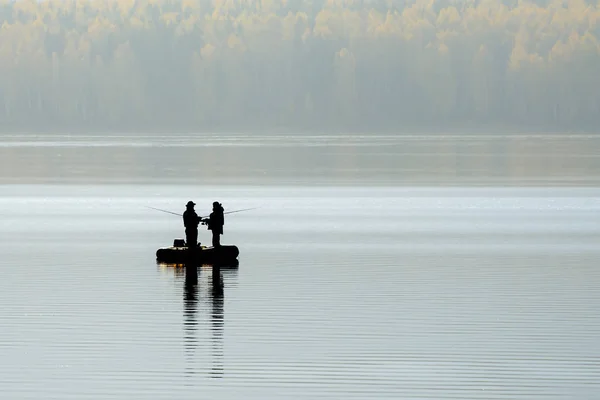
x=376, y=267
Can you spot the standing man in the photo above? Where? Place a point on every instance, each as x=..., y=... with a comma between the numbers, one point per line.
x=216, y=220
x=191, y=221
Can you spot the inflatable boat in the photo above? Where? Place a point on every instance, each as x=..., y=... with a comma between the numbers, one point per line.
x=179, y=253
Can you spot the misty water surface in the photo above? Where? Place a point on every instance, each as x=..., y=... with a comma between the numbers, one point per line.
x=430, y=268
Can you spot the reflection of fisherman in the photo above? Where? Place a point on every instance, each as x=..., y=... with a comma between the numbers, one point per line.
x=191, y=221
x=215, y=221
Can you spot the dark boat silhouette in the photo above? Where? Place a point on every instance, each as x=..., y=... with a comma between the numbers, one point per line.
x=180, y=253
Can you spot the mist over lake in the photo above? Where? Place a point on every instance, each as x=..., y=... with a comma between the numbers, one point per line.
x=377, y=266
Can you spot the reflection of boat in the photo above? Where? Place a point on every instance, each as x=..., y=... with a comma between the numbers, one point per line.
x=209, y=291
x=178, y=253
x=180, y=267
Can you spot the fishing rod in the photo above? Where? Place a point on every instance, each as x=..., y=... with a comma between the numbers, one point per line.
x=235, y=211
x=181, y=215
x=170, y=212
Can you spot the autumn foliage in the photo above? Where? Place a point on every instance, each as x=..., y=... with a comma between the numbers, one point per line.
x=298, y=64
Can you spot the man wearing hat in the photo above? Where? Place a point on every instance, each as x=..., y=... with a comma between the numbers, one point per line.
x=191, y=221
x=216, y=220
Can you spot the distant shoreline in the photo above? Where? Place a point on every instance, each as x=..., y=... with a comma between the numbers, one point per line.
x=304, y=131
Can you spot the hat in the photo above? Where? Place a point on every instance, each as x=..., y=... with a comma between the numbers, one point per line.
x=190, y=203
x=216, y=203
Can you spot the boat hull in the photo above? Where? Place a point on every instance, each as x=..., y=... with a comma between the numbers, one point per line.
x=202, y=254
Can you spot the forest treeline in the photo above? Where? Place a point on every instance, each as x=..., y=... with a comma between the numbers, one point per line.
x=298, y=64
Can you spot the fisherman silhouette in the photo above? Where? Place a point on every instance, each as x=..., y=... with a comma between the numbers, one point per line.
x=215, y=222
x=191, y=221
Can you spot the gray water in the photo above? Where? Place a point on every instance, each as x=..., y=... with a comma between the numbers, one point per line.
x=413, y=268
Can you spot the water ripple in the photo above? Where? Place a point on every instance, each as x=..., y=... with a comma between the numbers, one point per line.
x=425, y=302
